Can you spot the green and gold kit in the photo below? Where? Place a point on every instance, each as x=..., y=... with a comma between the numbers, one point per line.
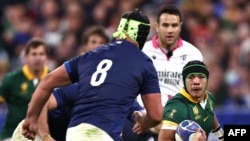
x=16, y=90
x=182, y=106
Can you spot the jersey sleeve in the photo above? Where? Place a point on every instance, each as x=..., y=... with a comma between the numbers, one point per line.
x=66, y=95
x=174, y=112
x=150, y=82
x=72, y=68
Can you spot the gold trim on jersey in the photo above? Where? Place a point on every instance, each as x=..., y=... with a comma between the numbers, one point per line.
x=190, y=98
x=169, y=123
x=29, y=74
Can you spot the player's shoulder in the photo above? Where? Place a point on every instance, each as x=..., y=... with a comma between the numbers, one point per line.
x=13, y=74
x=177, y=106
x=121, y=46
x=178, y=99
x=210, y=95
x=11, y=78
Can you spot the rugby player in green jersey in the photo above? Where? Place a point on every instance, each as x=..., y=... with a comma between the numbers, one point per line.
x=193, y=102
x=18, y=86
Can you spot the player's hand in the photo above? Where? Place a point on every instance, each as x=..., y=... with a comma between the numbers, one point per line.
x=29, y=129
x=137, y=129
x=138, y=126
x=200, y=135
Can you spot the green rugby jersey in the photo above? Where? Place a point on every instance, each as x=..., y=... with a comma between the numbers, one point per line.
x=182, y=106
x=16, y=90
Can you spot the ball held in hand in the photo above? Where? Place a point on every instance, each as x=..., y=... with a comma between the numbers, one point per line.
x=186, y=130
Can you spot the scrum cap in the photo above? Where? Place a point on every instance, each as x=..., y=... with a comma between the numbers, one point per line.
x=194, y=67
x=134, y=24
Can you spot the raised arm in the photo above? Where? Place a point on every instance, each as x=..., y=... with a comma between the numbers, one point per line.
x=154, y=110
x=217, y=129
x=57, y=78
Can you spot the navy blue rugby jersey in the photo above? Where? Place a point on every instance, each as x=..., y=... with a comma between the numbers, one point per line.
x=110, y=78
x=59, y=118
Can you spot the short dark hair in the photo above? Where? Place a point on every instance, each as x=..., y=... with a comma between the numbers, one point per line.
x=169, y=9
x=34, y=43
x=95, y=30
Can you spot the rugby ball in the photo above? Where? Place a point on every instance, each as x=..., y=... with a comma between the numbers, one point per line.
x=18, y=136
x=186, y=130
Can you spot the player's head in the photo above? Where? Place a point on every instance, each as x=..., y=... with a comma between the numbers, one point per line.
x=35, y=54
x=169, y=9
x=193, y=68
x=168, y=26
x=34, y=43
x=94, y=37
x=134, y=24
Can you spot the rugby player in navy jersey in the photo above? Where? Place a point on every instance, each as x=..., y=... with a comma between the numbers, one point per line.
x=62, y=101
x=55, y=117
x=110, y=78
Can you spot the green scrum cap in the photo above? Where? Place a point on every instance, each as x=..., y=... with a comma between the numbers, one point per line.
x=134, y=24
x=194, y=67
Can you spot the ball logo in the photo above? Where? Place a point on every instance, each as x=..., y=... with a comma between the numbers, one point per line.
x=186, y=130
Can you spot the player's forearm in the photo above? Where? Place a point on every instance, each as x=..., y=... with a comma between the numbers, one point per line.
x=40, y=97
x=217, y=129
x=148, y=122
x=143, y=122
x=43, y=128
x=154, y=109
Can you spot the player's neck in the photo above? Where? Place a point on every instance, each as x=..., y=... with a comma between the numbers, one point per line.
x=203, y=97
x=132, y=41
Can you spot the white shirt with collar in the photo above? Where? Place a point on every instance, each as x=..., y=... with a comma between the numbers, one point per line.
x=169, y=70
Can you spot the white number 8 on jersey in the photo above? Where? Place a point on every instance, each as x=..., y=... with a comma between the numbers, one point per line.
x=101, y=70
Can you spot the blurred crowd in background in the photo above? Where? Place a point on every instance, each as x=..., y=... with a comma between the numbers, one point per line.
x=219, y=28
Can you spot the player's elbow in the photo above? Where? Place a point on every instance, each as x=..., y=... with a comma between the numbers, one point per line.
x=156, y=117
x=155, y=121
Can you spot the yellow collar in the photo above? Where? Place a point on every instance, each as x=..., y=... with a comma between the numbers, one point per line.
x=29, y=74
x=190, y=98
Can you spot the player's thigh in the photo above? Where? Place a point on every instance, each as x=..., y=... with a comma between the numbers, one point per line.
x=87, y=132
